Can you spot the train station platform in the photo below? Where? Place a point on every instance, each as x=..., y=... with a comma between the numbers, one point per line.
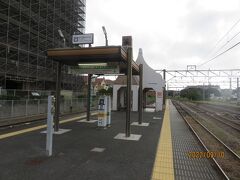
x=88, y=152
x=175, y=144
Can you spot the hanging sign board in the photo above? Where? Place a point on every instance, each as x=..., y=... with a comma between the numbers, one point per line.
x=94, y=70
x=83, y=39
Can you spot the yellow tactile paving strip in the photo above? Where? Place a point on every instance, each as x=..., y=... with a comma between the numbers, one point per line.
x=15, y=133
x=163, y=165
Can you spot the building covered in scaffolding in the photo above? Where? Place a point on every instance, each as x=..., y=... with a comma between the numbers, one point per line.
x=27, y=29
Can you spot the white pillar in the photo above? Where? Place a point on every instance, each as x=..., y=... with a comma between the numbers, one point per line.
x=135, y=98
x=114, y=101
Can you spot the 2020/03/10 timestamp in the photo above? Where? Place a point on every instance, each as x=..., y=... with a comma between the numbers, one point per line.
x=209, y=154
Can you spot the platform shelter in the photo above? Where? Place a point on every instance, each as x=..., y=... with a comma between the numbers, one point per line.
x=120, y=56
x=152, y=81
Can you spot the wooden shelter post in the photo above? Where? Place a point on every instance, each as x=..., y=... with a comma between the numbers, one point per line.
x=140, y=91
x=57, y=102
x=89, y=96
x=129, y=91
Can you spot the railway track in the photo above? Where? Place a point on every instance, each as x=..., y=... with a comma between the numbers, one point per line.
x=223, y=128
x=229, y=165
x=233, y=113
x=216, y=116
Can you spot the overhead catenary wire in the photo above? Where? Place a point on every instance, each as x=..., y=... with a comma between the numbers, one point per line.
x=228, y=31
x=220, y=54
x=214, y=47
x=228, y=42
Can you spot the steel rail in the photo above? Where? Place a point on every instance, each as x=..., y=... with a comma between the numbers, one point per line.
x=192, y=114
x=221, y=108
x=220, y=141
x=218, y=118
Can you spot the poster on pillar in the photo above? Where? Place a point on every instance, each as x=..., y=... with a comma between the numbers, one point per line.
x=102, y=111
x=160, y=94
x=159, y=100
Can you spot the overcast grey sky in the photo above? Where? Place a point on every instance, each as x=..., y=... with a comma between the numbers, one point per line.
x=172, y=33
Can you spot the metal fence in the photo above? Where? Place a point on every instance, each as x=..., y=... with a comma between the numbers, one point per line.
x=33, y=94
x=30, y=107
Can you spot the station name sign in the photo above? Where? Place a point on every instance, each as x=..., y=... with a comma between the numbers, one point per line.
x=83, y=39
x=94, y=70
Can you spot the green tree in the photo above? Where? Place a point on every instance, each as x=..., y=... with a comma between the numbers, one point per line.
x=109, y=91
x=191, y=93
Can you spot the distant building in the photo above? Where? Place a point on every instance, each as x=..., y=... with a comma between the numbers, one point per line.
x=27, y=29
x=226, y=93
x=109, y=83
x=99, y=83
x=122, y=80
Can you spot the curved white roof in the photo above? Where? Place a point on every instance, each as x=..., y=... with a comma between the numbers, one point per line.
x=151, y=79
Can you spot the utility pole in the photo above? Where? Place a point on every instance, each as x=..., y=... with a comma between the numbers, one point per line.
x=203, y=92
x=230, y=83
x=237, y=90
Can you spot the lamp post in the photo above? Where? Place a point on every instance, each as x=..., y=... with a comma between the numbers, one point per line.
x=105, y=33
x=62, y=36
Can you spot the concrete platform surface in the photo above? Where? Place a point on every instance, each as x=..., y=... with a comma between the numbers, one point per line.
x=84, y=153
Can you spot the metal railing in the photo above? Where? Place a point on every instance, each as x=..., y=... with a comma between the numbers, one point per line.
x=32, y=94
x=30, y=107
